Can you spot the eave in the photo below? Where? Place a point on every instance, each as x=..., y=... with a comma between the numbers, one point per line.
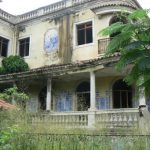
x=54, y=71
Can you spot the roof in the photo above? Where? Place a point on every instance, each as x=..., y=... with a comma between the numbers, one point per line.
x=56, y=70
x=5, y=105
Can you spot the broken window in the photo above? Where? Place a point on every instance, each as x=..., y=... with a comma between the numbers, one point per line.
x=84, y=33
x=3, y=46
x=24, y=47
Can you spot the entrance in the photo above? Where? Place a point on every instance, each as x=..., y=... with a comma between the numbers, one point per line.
x=122, y=95
x=42, y=98
x=83, y=96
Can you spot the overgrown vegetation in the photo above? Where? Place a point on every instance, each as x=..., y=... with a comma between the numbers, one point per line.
x=132, y=40
x=13, y=64
x=18, y=133
x=13, y=94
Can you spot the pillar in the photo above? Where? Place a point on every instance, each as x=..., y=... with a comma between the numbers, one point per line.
x=92, y=91
x=142, y=98
x=144, y=122
x=91, y=113
x=49, y=95
x=13, y=101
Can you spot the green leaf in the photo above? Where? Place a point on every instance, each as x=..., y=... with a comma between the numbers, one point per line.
x=114, y=28
x=138, y=14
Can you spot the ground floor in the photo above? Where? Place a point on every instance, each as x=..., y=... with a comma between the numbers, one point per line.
x=84, y=94
x=74, y=94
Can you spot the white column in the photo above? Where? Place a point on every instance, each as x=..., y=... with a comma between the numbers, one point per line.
x=48, y=96
x=142, y=98
x=92, y=91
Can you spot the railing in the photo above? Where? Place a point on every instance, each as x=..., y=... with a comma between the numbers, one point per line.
x=29, y=15
x=103, y=119
x=5, y=15
x=102, y=45
x=77, y=2
x=117, y=118
x=54, y=7
x=69, y=119
x=58, y=6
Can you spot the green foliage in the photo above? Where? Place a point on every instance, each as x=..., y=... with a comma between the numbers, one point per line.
x=6, y=136
x=13, y=94
x=2, y=70
x=18, y=132
x=133, y=42
x=13, y=64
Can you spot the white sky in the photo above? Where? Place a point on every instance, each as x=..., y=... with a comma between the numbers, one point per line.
x=17, y=7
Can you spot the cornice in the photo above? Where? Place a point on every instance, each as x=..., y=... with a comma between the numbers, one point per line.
x=59, y=69
x=63, y=7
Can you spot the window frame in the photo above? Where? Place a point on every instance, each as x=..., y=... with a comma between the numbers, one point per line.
x=23, y=38
x=8, y=46
x=75, y=41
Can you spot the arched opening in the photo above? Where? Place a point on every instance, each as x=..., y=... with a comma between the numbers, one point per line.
x=116, y=19
x=83, y=96
x=42, y=99
x=122, y=95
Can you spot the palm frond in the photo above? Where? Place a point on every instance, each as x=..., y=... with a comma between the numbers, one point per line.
x=138, y=14
x=114, y=28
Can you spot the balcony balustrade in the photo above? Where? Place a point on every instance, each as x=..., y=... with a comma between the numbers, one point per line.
x=103, y=118
x=102, y=45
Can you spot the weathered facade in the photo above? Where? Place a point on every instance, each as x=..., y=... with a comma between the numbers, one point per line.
x=68, y=70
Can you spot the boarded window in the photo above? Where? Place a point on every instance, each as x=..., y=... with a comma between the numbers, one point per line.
x=84, y=33
x=24, y=47
x=3, y=46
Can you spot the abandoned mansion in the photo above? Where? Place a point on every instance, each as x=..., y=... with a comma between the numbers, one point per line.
x=69, y=76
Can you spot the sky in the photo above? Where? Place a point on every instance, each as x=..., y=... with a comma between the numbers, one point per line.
x=17, y=7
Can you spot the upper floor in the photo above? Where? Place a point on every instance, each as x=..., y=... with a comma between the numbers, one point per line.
x=63, y=32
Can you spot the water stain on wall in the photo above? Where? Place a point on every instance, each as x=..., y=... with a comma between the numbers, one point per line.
x=65, y=36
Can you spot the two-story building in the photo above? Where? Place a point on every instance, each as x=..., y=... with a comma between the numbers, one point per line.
x=69, y=75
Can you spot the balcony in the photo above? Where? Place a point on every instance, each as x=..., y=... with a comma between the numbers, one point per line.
x=115, y=118
x=102, y=45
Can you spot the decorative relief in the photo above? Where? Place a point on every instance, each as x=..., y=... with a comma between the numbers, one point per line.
x=51, y=40
x=64, y=101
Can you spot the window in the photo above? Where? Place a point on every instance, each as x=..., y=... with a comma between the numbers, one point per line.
x=116, y=19
x=3, y=46
x=122, y=95
x=84, y=33
x=24, y=47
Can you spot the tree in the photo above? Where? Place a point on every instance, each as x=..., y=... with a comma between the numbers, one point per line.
x=13, y=64
x=133, y=43
x=13, y=94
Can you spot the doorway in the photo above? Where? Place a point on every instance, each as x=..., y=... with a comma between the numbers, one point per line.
x=83, y=96
x=42, y=99
x=122, y=95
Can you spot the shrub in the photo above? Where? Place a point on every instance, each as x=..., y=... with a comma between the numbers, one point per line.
x=13, y=64
x=2, y=70
x=13, y=93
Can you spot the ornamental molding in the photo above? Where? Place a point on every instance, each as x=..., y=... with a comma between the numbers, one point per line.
x=65, y=7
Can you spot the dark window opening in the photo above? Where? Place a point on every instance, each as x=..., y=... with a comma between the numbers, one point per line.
x=83, y=96
x=42, y=99
x=116, y=19
x=122, y=95
x=3, y=47
x=24, y=47
x=84, y=33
